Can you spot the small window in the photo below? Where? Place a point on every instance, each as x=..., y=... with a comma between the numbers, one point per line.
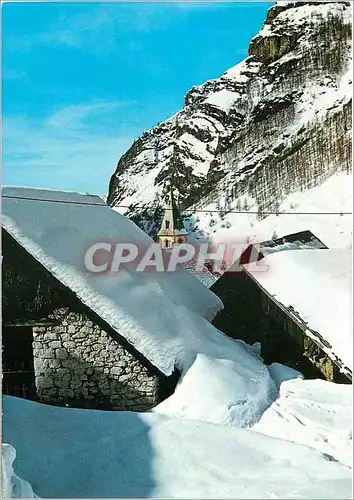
x=166, y=243
x=167, y=223
x=180, y=240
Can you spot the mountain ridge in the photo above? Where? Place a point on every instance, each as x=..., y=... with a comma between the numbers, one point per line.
x=276, y=123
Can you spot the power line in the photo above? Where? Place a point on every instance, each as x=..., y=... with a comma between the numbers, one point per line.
x=68, y=202
x=193, y=210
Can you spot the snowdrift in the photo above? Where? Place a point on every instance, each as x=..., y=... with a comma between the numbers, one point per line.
x=12, y=485
x=222, y=391
x=68, y=453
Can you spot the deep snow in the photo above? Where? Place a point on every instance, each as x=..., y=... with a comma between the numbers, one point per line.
x=222, y=391
x=315, y=413
x=69, y=453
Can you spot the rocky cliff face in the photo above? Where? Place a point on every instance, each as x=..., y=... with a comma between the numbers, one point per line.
x=277, y=123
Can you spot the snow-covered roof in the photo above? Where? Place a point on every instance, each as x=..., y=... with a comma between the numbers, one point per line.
x=203, y=275
x=147, y=308
x=295, y=241
x=315, y=286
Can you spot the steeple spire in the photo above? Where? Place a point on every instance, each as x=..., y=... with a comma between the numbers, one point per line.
x=172, y=229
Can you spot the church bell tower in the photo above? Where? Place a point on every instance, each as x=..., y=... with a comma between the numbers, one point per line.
x=172, y=231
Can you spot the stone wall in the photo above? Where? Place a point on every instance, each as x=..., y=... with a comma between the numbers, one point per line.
x=77, y=363
x=303, y=346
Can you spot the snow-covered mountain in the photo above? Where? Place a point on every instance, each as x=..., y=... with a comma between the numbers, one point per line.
x=324, y=210
x=275, y=125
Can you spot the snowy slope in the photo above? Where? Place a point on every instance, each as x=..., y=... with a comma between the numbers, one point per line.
x=157, y=312
x=130, y=455
x=315, y=413
x=317, y=286
x=317, y=209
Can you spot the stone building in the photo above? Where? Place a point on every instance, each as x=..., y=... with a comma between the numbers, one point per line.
x=74, y=337
x=172, y=229
x=301, y=321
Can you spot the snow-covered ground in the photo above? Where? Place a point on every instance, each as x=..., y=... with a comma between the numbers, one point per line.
x=300, y=448
x=222, y=391
x=12, y=486
x=315, y=413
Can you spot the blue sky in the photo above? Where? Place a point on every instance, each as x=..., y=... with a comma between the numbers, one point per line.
x=81, y=81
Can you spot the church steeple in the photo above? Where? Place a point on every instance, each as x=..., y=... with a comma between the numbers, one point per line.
x=172, y=229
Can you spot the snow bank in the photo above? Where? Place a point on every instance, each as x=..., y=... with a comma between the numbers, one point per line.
x=12, y=486
x=281, y=373
x=129, y=455
x=148, y=308
x=317, y=285
x=313, y=412
x=222, y=391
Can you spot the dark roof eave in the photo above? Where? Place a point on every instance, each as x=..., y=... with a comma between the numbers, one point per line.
x=315, y=336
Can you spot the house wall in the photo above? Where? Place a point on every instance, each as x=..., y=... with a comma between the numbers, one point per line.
x=306, y=345
x=78, y=359
x=249, y=314
x=77, y=363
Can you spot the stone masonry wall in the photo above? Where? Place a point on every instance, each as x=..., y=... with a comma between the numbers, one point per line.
x=79, y=364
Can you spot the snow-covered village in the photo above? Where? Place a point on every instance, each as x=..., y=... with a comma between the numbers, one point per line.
x=177, y=250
